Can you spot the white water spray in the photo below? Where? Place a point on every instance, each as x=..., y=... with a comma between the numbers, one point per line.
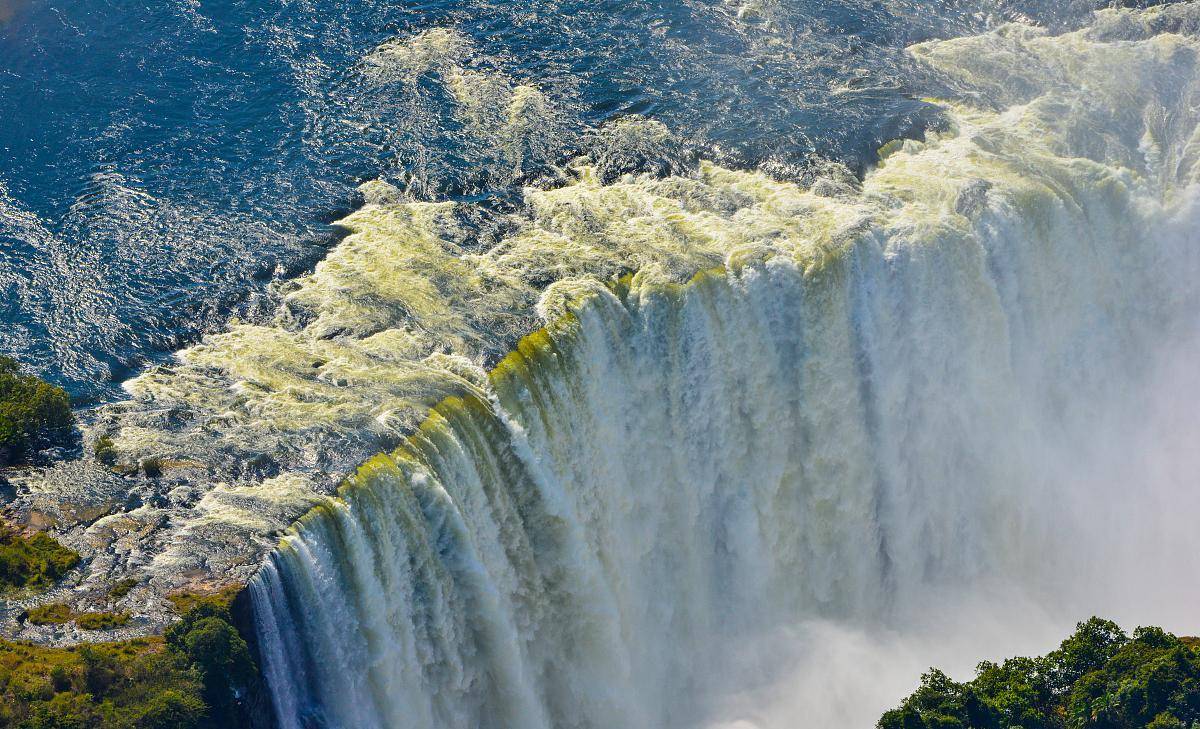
x=922, y=422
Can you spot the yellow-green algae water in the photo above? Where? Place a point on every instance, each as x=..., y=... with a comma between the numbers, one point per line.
x=812, y=439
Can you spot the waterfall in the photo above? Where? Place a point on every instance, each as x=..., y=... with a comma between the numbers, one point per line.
x=970, y=377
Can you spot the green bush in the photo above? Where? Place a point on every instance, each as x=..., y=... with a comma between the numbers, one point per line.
x=64, y=711
x=121, y=588
x=36, y=561
x=188, y=680
x=171, y=710
x=101, y=621
x=33, y=413
x=218, y=653
x=54, y=613
x=105, y=450
x=1099, y=678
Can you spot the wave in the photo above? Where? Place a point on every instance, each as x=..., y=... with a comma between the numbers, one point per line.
x=805, y=421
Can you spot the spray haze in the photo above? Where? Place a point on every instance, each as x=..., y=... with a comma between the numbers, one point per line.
x=934, y=418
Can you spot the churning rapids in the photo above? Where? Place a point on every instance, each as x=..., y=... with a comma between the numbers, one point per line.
x=825, y=435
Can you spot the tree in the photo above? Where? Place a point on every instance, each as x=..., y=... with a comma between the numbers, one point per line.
x=1094, y=643
x=210, y=643
x=100, y=670
x=171, y=710
x=64, y=711
x=33, y=413
x=1099, y=678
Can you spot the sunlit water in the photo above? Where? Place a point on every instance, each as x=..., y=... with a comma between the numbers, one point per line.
x=163, y=162
x=932, y=417
x=858, y=411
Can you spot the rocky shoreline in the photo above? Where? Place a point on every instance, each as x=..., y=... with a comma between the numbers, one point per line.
x=118, y=523
x=106, y=614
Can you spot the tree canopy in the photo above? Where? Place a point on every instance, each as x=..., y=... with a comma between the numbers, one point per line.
x=1099, y=678
x=33, y=413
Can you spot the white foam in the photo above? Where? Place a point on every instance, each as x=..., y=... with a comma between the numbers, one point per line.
x=942, y=415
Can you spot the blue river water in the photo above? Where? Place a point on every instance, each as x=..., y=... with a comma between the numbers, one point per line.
x=161, y=164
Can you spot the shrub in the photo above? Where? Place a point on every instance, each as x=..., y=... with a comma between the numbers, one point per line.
x=33, y=413
x=105, y=450
x=101, y=670
x=206, y=636
x=64, y=711
x=101, y=621
x=1099, y=678
x=171, y=710
x=121, y=588
x=60, y=679
x=36, y=561
x=152, y=467
x=54, y=613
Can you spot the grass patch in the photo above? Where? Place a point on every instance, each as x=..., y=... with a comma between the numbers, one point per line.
x=185, y=601
x=101, y=621
x=121, y=588
x=32, y=562
x=33, y=414
x=56, y=613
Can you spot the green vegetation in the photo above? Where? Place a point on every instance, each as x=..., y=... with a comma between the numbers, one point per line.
x=121, y=588
x=186, y=602
x=33, y=414
x=33, y=562
x=105, y=450
x=218, y=654
x=189, y=679
x=1099, y=678
x=138, y=683
x=101, y=621
x=56, y=613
